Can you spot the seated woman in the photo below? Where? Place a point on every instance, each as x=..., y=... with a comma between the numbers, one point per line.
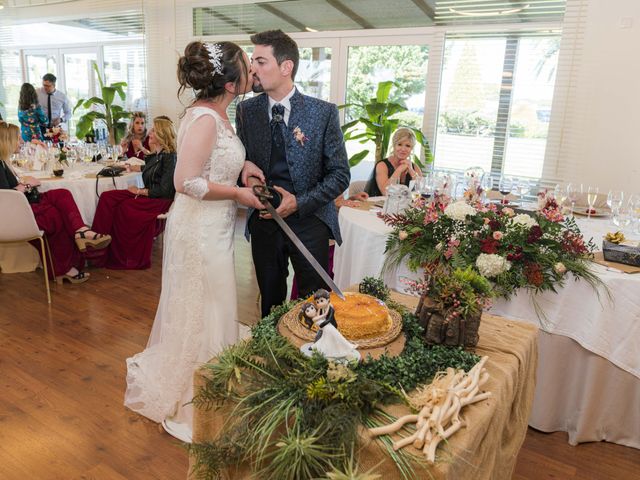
x=398, y=168
x=32, y=119
x=136, y=143
x=130, y=215
x=56, y=213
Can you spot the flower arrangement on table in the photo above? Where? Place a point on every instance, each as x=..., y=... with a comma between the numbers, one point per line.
x=292, y=417
x=512, y=250
x=56, y=135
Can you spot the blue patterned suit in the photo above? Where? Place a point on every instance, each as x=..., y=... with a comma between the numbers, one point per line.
x=319, y=169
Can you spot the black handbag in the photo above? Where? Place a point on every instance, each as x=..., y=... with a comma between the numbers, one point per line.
x=110, y=172
x=32, y=193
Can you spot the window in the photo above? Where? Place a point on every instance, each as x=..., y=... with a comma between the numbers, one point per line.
x=495, y=103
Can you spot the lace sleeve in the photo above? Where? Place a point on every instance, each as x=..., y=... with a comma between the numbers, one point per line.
x=196, y=140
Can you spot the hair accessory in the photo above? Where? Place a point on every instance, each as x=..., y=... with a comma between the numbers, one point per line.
x=215, y=56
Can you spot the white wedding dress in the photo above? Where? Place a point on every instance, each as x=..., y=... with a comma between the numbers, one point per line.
x=197, y=312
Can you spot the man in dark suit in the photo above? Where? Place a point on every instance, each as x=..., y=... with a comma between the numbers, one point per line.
x=295, y=144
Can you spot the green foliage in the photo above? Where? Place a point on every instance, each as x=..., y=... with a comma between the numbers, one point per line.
x=377, y=124
x=374, y=287
x=294, y=417
x=112, y=115
x=466, y=122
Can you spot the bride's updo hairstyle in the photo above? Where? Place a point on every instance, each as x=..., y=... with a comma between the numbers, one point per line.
x=207, y=67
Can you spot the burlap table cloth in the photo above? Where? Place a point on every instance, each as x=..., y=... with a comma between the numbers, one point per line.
x=487, y=448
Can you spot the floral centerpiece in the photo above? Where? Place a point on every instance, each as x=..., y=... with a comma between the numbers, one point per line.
x=536, y=251
x=56, y=135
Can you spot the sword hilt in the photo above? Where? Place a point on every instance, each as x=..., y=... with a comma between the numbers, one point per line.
x=267, y=194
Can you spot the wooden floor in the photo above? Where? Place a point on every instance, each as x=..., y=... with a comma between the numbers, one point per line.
x=62, y=379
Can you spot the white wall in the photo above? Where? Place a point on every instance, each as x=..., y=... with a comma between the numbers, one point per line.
x=601, y=147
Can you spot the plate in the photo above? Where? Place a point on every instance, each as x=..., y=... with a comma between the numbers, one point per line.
x=581, y=210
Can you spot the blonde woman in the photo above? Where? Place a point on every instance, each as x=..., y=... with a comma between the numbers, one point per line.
x=398, y=168
x=56, y=213
x=129, y=216
x=136, y=142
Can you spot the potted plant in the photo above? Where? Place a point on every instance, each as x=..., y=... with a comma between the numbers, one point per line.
x=379, y=126
x=112, y=115
x=451, y=305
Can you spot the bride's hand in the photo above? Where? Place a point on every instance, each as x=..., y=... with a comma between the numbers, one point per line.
x=246, y=197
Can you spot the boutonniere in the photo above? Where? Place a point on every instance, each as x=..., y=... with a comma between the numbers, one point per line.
x=299, y=136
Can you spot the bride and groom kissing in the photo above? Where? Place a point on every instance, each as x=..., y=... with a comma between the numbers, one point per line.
x=284, y=139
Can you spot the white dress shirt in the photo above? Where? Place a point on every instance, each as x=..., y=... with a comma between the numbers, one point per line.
x=60, y=107
x=286, y=103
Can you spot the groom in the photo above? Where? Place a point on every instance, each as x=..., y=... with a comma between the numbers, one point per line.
x=294, y=143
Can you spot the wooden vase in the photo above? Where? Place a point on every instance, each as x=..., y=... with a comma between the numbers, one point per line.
x=442, y=331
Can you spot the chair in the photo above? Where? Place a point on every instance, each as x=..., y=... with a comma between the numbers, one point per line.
x=19, y=225
x=357, y=187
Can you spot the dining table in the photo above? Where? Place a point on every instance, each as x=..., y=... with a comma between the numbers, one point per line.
x=589, y=339
x=85, y=187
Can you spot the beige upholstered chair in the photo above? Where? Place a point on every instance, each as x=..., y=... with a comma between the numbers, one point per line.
x=19, y=225
x=357, y=187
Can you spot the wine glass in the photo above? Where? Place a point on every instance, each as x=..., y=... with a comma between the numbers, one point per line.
x=592, y=194
x=486, y=182
x=634, y=206
x=504, y=187
x=523, y=188
x=560, y=194
x=614, y=201
x=623, y=216
x=572, y=194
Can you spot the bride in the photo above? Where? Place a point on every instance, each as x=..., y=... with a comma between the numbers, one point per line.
x=197, y=313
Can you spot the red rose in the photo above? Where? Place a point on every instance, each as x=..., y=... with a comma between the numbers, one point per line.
x=535, y=234
x=533, y=273
x=494, y=224
x=489, y=245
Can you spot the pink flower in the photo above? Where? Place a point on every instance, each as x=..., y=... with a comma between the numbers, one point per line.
x=486, y=220
x=299, y=136
x=497, y=235
x=402, y=235
x=508, y=212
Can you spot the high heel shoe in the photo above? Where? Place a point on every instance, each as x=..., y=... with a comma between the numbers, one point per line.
x=80, y=277
x=97, y=242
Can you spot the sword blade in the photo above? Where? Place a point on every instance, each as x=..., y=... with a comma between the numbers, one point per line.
x=303, y=250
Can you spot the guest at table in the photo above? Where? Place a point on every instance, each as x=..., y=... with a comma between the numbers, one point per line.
x=130, y=216
x=30, y=114
x=136, y=143
x=398, y=168
x=56, y=213
x=54, y=103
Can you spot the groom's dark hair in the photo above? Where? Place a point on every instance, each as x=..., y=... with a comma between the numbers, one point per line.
x=284, y=47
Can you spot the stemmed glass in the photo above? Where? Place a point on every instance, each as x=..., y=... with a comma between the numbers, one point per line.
x=624, y=216
x=572, y=194
x=560, y=194
x=523, y=188
x=592, y=194
x=504, y=187
x=486, y=182
x=614, y=201
x=634, y=206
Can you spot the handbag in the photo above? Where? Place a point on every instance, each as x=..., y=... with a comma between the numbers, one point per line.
x=110, y=172
x=32, y=193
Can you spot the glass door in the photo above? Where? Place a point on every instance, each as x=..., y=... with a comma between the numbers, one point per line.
x=39, y=62
x=80, y=77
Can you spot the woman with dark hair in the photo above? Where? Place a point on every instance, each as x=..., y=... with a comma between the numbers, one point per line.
x=197, y=313
x=32, y=119
x=130, y=216
x=56, y=213
x=135, y=144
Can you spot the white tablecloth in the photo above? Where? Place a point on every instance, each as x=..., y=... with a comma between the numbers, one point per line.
x=83, y=189
x=608, y=334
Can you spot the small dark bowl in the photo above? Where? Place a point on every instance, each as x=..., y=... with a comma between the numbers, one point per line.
x=58, y=173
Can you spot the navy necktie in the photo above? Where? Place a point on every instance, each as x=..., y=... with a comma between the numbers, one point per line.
x=277, y=124
x=49, y=108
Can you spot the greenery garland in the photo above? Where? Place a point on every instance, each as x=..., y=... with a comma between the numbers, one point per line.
x=294, y=417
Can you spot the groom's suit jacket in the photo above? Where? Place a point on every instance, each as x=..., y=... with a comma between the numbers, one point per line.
x=319, y=168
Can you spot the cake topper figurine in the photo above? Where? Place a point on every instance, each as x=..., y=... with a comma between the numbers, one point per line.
x=329, y=341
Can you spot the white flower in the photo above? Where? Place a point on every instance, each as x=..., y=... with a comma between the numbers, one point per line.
x=524, y=219
x=491, y=265
x=459, y=210
x=560, y=268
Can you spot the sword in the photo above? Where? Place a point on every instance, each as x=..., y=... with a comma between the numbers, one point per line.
x=265, y=194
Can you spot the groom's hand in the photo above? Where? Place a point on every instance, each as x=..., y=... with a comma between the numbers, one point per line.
x=250, y=169
x=288, y=204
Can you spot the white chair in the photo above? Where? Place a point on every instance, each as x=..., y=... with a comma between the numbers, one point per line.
x=357, y=187
x=19, y=225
